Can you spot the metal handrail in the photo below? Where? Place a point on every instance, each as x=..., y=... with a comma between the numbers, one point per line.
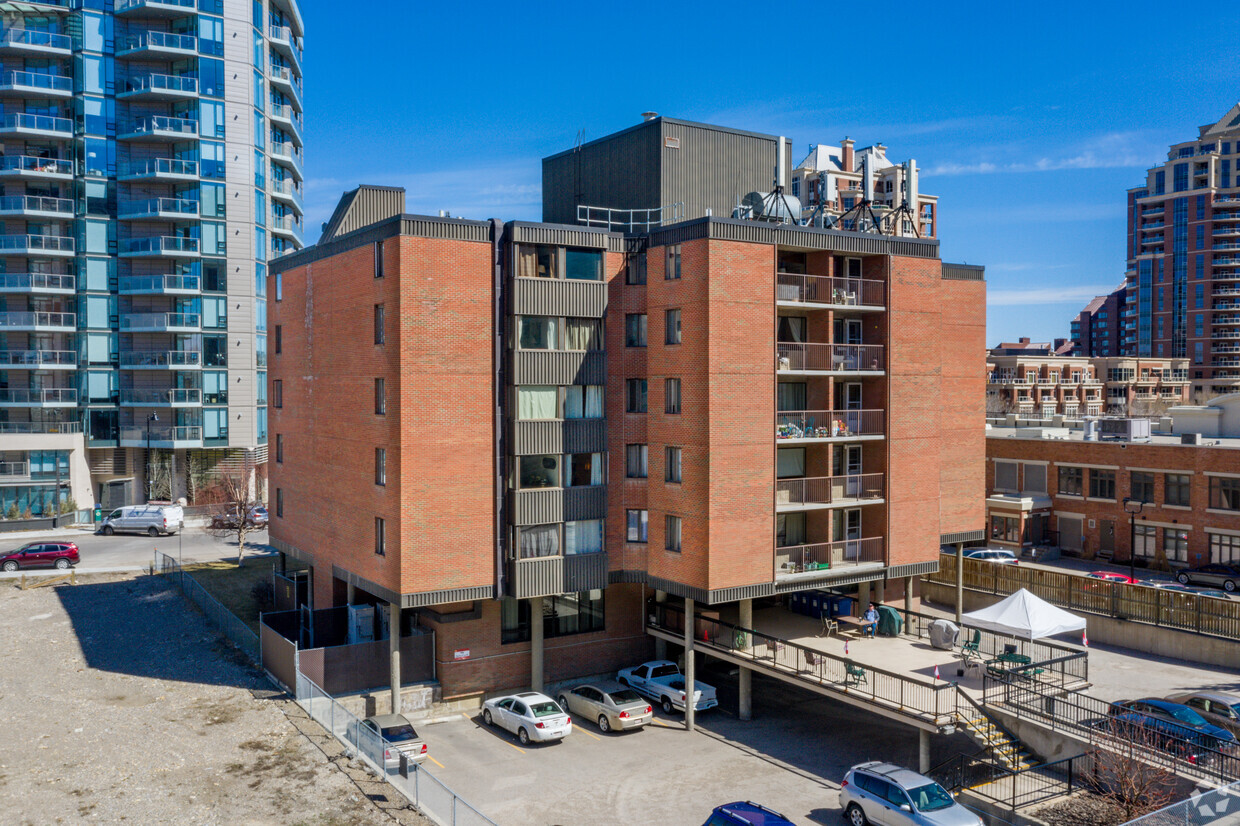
x=829, y=357
x=830, y=290
x=823, y=490
x=828, y=424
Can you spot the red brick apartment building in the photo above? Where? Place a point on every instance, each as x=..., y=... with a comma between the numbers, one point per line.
x=481, y=423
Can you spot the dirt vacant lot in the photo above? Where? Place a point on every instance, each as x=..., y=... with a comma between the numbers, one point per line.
x=118, y=704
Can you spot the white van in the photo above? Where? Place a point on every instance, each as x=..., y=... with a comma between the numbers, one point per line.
x=148, y=519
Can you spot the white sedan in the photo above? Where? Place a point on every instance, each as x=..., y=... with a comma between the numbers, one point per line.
x=529, y=715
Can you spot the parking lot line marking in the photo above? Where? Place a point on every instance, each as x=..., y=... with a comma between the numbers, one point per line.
x=588, y=734
x=518, y=748
x=433, y=760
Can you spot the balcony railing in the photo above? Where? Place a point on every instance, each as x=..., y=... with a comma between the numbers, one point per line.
x=162, y=83
x=158, y=167
x=36, y=243
x=126, y=5
x=37, y=80
x=828, y=424
x=838, y=358
x=160, y=245
x=152, y=124
x=287, y=187
x=40, y=427
x=283, y=110
x=160, y=206
x=34, y=38
x=158, y=322
x=161, y=40
x=31, y=163
x=23, y=122
x=287, y=150
x=827, y=290
x=14, y=470
x=158, y=284
x=161, y=433
x=828, y=490
x=47, y=395
x=35, y=203
x=38, y=319
x=825, y=555
x=285, y=222
x=32, y=282
x=38, y=359
x=137, y=359
x=156, y=398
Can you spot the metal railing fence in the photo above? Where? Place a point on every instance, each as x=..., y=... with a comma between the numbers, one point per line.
x=1206, y=806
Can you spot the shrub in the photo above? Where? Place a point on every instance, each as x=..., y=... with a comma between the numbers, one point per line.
x=11, y=513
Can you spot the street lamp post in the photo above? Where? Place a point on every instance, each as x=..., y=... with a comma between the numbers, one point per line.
x=1132, y=507
x=154, y=417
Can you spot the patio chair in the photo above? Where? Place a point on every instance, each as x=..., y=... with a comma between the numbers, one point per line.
x=969, y=651
x=854, y=675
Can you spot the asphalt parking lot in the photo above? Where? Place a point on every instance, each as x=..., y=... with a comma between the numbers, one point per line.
x=130, y=552
x=790, y=757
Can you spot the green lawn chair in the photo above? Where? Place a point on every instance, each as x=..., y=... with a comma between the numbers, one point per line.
x=854, y=675
x=970, y=650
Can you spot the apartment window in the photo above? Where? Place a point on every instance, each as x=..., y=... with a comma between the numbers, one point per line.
x=638, y=527
x=1225, y=493
x=1101, y=484
x=1007, y=476
x=584, y=469
x=583, y=334
x=277, y=393
x=538, y=261
x=378, y=259
x=789, y=530
x=380, y=536
x=583, y=401
x=378, y=324
x=635, y=330
x=280, y=448
x=541, y=470
x=671, y=533
x=583, y=537
x=537, y=541
x=635, y=272
x=636, y=461
x=380, y=398
x=672, y=327
x=1146, y=538
x=536, y=332
x=672, y=267
x=280, y=502
x=537, y=402
x=582, y=612
x=1035, y=478
x=1005, y=528
x=790, y=463
x=671, y=460
x=1175, y=545
x=380, y=466
x=583, y=265
x=671, y=396
x=635, y=396
x=1142, y=486
x=279, y=343
x=1224, y=550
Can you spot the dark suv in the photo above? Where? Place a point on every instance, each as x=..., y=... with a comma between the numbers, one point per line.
x=41, y=555
x=746, y=813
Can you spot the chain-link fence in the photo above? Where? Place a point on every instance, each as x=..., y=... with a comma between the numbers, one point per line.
x=217, y=615
x=1204, y=807
x=428, y=794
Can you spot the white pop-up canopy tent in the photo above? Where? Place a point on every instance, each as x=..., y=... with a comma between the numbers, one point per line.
x=1024, y=615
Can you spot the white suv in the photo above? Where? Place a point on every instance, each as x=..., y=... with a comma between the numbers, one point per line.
x=888, y=795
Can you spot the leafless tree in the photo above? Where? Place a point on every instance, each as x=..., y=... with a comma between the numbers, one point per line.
x=997, y=405
x=1126, y=770
x=231, y=517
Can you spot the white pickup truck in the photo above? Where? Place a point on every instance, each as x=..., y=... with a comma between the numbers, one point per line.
x=661, y=681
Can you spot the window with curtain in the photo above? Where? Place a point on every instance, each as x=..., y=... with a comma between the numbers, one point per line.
x=583, y=537
x=791, y=395
x=1035, y=478
x=672, y=264
x=671, y=533
x=1007, y=475
x=635, y=461
x=638, y=525
x=584, y=469
x=536, y=402
x=535, y=332
x=671, y=396
x=790, y=462
x=539, y=471
x=671, y=464
x=671, y=325
x=789, y=529
x=1224, y=493
x=537, y=261
x=635, y=396
x=583, y=334
x=792, y=329
x=538, y=541
x=583, y=401
x=635, y=330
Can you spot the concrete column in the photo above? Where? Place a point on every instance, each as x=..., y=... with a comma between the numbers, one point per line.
x=863, y=597
x=908, y=601
x=394, y=648
x=350, y=593
x=536, y=644
x=745, y=706
x=923, y=751
x=690, y=686
x=660, y=644
x=959, y=581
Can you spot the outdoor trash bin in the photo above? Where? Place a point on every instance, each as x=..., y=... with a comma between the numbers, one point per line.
x=943, y=634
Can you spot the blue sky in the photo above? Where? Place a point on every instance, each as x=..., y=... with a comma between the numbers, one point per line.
x=1029, y=121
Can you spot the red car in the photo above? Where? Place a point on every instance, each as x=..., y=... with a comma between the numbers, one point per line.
x=41, y=555
x=1111, y=576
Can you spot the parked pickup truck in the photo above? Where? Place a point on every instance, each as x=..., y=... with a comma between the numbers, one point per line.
x=661, y=681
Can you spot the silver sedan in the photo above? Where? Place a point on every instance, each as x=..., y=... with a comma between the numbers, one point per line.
x=611, y=705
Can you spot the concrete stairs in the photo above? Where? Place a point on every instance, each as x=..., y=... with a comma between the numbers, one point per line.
x=1006, y=750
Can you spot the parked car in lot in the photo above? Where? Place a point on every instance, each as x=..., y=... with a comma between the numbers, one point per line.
x=1226, y=577
x=610, y=704
x=887, y=795
x=1112, y=576
x=1163, y=585
x=399, y=737
x=41, y=555
x=255, y=517
x=661, y=681
x=148, y=519
x=529, y=715
x=1133, y=726
x=746, y=813
x=997, y=555
x=1216, y=707
x=1175, y=719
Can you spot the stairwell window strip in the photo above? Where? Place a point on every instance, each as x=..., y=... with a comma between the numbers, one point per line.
x=672, y=271
x=379, y=331
x=378, y=259
x=671, y=538
x=380, y=398
x=380, y=536
x=380, y=466
x=638, y=525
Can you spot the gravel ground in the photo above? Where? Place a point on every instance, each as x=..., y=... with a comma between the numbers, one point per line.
x=119, y=704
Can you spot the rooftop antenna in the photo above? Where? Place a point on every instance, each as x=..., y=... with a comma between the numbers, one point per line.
x=776, y=198
x=862, y=215
x=907, y=207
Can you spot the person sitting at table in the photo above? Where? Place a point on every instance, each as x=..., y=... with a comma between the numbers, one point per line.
x=869, y=620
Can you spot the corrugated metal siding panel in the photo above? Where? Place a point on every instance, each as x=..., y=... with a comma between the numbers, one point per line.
x=560, y=367
x=585, y=435
x=537, y=577
x=447, y=597
x=585, y=503
x=712, y=168
x=552, y=296
x=963, y=272
x=620, y=171
x=754, y=232
x=538, y=507
x=562, y=236
x=448, y=230
x=585, y=572
x=371, y=206
x=531, y=438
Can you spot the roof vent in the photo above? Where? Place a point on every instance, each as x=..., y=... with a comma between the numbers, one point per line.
x=647, y=116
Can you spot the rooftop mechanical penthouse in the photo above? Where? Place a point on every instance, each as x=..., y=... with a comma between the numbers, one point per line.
x=524, y=430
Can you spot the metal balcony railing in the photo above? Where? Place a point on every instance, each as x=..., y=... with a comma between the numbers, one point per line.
x=153, y=206
x=47, y=395
x=34, y=281
x=40, y=427
x=38, y=319
x=36, y=203
x=14, y=470
x=163, y=83
x=288, y=187
x=159, y=283
x=126, y=5
x=151, y=124
x=828, y=424
x=36, y=243
x=827, y=490
x=159, y=358
x=31, y=163
x=162, y=433
x=161, y=244
x=159, y=321
x=154, y=398
x=38, y=358
x=15, y=121
x=161, y=40
x=33, y=37
x=823, y=555
x=827, y=290
x=37, y=80
x=160, y=166
x=830, y=357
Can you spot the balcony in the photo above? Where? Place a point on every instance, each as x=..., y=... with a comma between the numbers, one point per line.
x=14, y=470
x=830, y=359
x=285, y=225
x=30, y=167
x=38, y=322
x=167, y=209
x=813, y=493
x=802, y=426
x=286, y=190
x=828, y=559
x=160, y=128
x=33, y=42
x=169, y=397
x=160, y=169
x=154, y=8
x=160, y=246
x=285, y=115
x=35, y=84
x=161, y=359
x=161, y=436
x=286, y=43
x=34, y=206
x=859, y=294
x=160, y=285
x=160, y=87
x=20, y=124
x=288, y=155
x=45, y=397
x=161, y=323
x=284, y=77
x=40, y=427
x=37, y=283
x=154, y=45
x=38, y=359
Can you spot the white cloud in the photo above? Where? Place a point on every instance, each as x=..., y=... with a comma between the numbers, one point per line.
x=1112, y=150
x=1076, y=294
